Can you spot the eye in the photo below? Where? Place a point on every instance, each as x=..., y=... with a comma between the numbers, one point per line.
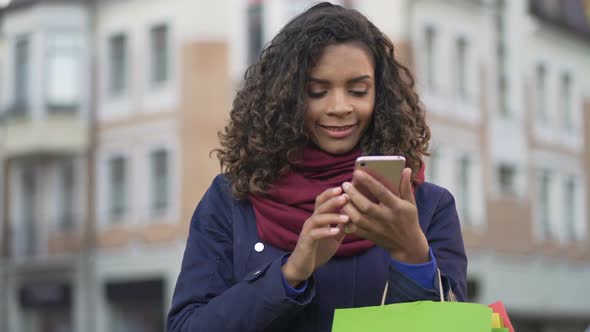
x=358, y=93
x=317, y=94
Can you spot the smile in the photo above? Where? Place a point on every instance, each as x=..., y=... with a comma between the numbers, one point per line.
x=338, y=131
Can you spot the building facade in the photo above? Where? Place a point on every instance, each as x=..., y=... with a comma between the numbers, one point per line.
x=109, y=110
x=45, y=155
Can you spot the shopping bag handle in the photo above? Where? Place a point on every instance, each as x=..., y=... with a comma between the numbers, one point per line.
x=440, y=287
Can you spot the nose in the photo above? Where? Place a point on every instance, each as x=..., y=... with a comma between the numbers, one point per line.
x=340, y=105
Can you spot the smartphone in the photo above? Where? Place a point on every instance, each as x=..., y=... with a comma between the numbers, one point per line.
x=385, y=169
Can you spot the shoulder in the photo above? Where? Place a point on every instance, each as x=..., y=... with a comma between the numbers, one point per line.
x=219, y=190
x=216, y=204
x=432, y=197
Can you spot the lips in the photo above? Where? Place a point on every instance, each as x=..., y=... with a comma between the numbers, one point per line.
x=338, y=131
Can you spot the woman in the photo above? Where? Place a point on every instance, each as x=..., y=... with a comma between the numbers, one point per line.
x=269, y=247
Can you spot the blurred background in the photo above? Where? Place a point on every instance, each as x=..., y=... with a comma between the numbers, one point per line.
x=109, y=109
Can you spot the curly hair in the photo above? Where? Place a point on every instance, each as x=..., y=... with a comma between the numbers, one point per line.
x=266, y=129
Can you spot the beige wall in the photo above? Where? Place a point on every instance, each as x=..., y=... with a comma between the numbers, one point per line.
x=205, y=105
x=64, y=243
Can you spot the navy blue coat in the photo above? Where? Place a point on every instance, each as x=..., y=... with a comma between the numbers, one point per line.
x=226, y=285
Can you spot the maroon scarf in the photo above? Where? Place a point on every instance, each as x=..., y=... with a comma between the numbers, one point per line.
x=291, y=199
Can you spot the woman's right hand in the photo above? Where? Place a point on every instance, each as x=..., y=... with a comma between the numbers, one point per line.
x=318, y=240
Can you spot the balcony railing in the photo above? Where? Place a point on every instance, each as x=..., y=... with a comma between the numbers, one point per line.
x=60, y=131
x=33, y=238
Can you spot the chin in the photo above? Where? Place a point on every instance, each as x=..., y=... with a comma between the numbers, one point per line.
x=338, y=149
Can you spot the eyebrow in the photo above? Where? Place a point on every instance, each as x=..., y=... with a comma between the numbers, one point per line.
x=352, y=80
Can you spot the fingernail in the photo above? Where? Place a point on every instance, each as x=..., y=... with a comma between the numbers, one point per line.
x=336, y=190
x=334, y=230
x=343, y=217
x=346, y=185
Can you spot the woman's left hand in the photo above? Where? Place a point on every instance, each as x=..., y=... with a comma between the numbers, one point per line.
x=391, y=223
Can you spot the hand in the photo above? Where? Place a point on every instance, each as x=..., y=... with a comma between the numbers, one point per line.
x=392, y=223
x=318, y=240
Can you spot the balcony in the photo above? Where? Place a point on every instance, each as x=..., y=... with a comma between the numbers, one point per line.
x=60, y=131
x=42, y=241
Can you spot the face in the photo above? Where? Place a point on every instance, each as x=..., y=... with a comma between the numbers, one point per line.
x=340, y=98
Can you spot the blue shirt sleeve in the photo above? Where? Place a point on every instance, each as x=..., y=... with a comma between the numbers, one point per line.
x=423, y=274
x=292, y=292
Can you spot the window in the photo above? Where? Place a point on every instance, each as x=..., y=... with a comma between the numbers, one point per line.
x=543, y=197
x=67, y=196
x=117, y=65
x=63, y=72
x=159, y=39
x=566, y=100
x=22, y=61
x=464, y=194
x=255, y=30
x=28, y=208
x=430, y=36
x=570, y=208
x=118, y=187
x=541, y=86
x=461, y=68
x=160, y=179
x=507, y=179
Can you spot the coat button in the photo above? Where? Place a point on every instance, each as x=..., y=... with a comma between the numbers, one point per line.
x=259, y=247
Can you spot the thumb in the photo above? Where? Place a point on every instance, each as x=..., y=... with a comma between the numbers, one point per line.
x=406, y=190
x=341, y=235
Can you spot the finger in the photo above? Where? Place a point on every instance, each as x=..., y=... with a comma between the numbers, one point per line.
x=327, y=219
x=326, y=195
x=341, y=234
x=406, y=191
x=375, y=187
x=321, y=233
x=356, y=217
x=363, y=233
x=356, y=229
x=333, y=204
x=362, y=203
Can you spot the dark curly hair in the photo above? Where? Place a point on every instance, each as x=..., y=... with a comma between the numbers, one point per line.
x=266, y=130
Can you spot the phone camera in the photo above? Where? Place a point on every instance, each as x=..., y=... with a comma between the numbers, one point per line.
x=363, y=163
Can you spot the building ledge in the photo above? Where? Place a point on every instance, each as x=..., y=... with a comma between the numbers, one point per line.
x=56, y=134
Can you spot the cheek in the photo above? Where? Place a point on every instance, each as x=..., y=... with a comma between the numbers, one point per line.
x=367, y=110
x=311, y=114
x=308, y=120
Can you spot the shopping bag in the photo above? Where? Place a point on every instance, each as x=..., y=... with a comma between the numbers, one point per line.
x=421, y=316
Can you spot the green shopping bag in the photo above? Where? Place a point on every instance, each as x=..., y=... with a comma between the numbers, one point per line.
x=421, y=316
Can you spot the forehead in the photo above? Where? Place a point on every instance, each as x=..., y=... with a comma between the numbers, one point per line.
x=343, y=60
